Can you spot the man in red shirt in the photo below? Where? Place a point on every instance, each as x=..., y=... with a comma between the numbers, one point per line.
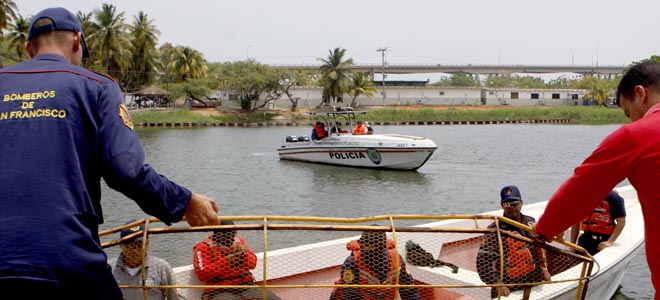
x=633, y=152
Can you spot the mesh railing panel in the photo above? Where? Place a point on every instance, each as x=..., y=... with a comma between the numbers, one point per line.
x=388, y=257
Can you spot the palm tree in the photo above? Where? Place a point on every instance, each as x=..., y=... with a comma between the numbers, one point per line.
x=144, y=61
x=7, y=13
x=187, y=63
x=335, y=75
x=361, y=85
x=88, y=28
x=17, y=35
x=110, y=39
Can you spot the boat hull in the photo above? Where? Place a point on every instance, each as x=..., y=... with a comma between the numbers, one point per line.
x=377, y=151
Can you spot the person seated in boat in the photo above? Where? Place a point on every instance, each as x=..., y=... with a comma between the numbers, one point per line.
x=127, y=269
x=603, y=226
x=370, y=130
x=373, y=260
x=360, y=129
x=337, y=130
x=524, y=263
x=319, y=132
x=224, y=258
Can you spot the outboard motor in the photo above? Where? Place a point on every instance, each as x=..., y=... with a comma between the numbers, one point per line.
x=346, y=108
x=291, y=139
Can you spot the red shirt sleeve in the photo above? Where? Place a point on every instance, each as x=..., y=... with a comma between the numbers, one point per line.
x=607, y=166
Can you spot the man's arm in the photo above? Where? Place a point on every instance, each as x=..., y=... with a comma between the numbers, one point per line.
x=608, y=165
x=618, y=228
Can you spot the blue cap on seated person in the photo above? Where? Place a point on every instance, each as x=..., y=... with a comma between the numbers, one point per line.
x=131, y=230
x=510, y=193
x=61, y=20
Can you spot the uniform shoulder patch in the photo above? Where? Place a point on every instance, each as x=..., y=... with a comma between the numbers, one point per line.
x=123, y=114
x=348, y=276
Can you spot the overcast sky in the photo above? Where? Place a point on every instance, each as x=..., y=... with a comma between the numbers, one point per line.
x=557, y=32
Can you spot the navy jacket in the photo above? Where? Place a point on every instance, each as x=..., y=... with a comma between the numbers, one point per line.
x=62, y=129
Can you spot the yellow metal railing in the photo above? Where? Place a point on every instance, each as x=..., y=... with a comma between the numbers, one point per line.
x=303, y=256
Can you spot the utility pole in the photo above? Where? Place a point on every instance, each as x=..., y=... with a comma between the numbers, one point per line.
x=383, y=50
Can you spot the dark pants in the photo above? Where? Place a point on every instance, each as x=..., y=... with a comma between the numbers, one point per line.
x=532, y=277
x=590, y=241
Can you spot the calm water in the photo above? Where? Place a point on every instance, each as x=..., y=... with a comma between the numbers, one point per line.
x=240, y=168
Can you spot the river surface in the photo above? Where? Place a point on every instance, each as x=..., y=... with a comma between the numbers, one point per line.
x=240, y=168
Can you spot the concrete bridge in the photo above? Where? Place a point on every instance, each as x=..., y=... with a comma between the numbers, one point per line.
x=609, y=70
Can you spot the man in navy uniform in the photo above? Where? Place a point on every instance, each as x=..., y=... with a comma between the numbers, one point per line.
x=525, y=263
x=63, y=128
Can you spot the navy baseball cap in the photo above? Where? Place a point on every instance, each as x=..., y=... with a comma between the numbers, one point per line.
x=510, y=193
x=62, y=20
x=131, y=230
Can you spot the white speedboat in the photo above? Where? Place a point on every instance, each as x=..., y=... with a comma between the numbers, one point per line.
x=310, y=270
x=381, y=151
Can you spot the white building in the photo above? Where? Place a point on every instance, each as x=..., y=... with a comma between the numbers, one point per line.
x=434, y=95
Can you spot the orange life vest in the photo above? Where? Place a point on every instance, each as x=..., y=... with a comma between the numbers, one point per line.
x=360, y=129
x=320, y=132
x=218, y=265
x=366, y=276
x=519, y=260
x=600, y=220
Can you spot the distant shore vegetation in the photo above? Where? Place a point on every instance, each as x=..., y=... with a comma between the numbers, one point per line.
x=128, y=49
x=579, y=115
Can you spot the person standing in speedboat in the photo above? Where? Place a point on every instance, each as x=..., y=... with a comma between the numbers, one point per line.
x=319, y=132
x=359, y=129
x=63, y=128
x=370, y=130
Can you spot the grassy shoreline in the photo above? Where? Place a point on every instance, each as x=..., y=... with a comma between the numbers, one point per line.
x=580, y=115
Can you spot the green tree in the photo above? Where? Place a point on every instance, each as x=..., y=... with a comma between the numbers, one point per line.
x=144, y=57
x=598, y=89
x=361, y=85
x=186, y=63
x=561, y=83
x=458, y=80
x=335, y=76
x=250, y=80
x=191, y=90
x=17, y=36
x=111, y=40
x=7, y=14
x=88, y=28
x=504, y=81
x=529, y=82
x=292, y=79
